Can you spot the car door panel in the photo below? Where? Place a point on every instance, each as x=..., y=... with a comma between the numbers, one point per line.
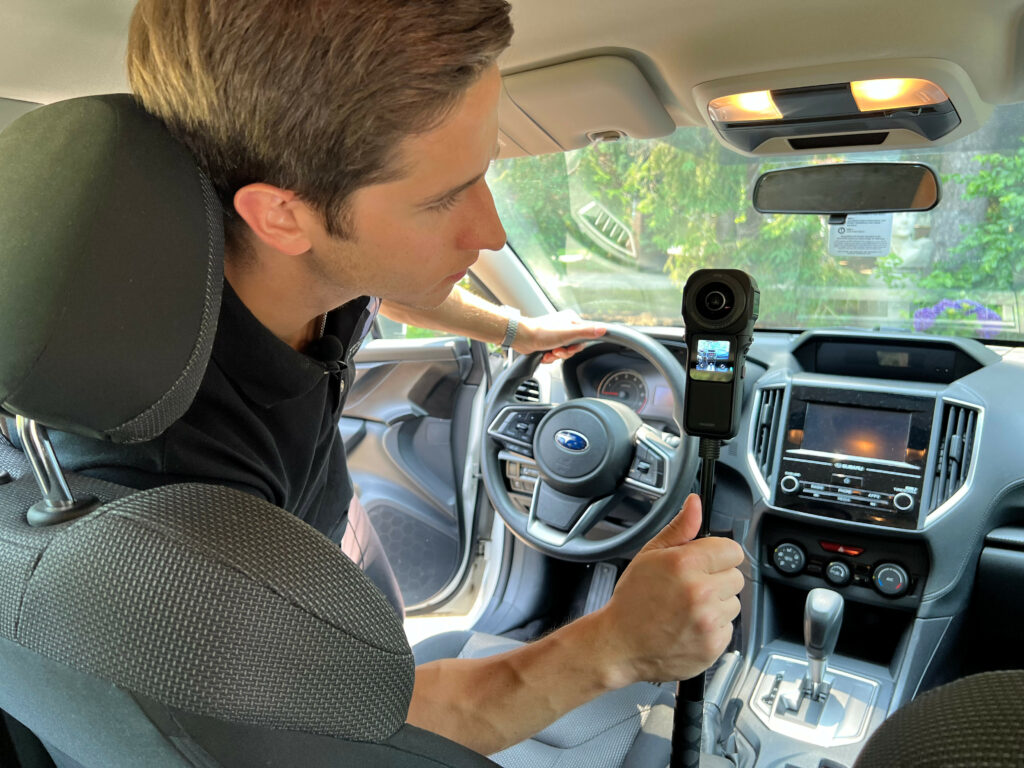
x=398, y=432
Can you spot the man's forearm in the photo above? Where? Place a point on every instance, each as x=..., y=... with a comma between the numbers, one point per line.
x=462, y=314
x=492, y=703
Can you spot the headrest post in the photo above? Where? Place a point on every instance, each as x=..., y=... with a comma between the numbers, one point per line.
x=58, y=505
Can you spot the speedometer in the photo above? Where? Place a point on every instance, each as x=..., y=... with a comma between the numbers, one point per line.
x=625, y=386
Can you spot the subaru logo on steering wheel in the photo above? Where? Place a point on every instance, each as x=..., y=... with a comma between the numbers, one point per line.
x=571, y=440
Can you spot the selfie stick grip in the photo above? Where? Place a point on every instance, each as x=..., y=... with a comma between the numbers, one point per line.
x=688, y=719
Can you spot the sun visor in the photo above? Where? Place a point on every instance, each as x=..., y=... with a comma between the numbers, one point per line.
x=567, y=106
x=11, y=109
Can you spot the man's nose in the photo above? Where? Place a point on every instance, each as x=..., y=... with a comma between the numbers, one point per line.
x=483, y=230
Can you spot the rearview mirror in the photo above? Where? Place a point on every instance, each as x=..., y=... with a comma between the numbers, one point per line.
x=842, y=188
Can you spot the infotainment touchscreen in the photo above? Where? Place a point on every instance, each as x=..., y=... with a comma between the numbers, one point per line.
x=871, y=434
x=856, y=455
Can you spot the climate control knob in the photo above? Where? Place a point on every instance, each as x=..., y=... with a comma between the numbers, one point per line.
x=891, y=579
x=837, y=572
x=789, y=484
x=789, y=558
x=903, y=501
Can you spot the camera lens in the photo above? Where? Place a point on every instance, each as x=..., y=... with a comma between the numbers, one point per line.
x=715, y=301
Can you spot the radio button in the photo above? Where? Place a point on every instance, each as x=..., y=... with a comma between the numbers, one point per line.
x=789, y=484
x=838, y=573
x=848, y=481
x=903, y=501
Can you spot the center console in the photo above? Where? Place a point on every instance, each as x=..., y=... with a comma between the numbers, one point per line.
x=862, y=449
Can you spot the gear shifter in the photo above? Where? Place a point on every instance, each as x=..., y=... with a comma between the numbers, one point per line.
x=804, y=698
x=823, y=616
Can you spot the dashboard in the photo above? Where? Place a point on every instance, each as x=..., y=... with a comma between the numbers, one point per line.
x=611, y=372
x=886, y=467
x=875, y=464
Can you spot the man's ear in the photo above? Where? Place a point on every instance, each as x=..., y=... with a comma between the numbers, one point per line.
x=270, y=213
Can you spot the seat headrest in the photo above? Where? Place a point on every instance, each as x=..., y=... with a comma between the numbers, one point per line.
x=111, y=266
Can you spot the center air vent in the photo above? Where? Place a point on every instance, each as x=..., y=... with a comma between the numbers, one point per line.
x=767, y=418
x=957, y=434
x=528, y=391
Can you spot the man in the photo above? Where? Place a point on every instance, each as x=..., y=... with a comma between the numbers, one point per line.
x=348, y=140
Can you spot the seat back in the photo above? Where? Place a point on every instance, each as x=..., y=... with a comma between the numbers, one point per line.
x=973, y=721
x=187, y=624
x=196, y=619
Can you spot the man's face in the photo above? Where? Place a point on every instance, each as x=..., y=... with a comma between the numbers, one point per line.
x=412, y=239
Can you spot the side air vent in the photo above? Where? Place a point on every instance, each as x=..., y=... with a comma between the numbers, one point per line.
x=956, y=449
x=767, y=424
x=528, y=391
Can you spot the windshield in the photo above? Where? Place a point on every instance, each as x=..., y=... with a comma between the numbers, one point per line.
x=612, y=231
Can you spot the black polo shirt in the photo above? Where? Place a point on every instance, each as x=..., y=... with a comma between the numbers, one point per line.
x=265, y=420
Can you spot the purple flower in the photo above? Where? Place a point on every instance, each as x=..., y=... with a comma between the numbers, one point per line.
x=988, y=319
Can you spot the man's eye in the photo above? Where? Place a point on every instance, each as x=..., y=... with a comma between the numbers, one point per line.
x=445, y=204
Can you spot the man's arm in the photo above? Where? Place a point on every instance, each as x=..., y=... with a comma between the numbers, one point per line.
x=669, y=618
x=464, y=314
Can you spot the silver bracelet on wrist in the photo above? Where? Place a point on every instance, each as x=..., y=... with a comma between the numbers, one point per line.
x=511, y=328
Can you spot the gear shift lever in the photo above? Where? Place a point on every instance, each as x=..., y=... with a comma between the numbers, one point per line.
x=823, y=616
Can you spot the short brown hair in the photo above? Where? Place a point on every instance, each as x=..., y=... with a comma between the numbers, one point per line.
x=308, y=95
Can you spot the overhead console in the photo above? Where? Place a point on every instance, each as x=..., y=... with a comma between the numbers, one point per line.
x=883, y=103
x=841, y=442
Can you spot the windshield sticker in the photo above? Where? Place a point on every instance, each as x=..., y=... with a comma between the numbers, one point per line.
x=868, y=234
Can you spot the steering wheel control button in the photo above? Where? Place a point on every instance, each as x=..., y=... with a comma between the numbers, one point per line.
x=891, y=580
x=789, y=484
x=789, y=558
x=647, y=467
x=903, y=501
x=838, y=573
x=520, y=426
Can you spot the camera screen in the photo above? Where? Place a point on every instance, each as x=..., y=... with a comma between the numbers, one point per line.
x=713, y=362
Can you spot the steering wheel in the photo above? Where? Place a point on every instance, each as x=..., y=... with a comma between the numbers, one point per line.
x=582, y=457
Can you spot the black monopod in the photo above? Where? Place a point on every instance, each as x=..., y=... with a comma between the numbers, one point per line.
x=719, y=310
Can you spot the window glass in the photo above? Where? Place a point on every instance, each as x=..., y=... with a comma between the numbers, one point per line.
x=614, y=230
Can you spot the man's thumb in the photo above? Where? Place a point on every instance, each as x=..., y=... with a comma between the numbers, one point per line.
x=682, y=528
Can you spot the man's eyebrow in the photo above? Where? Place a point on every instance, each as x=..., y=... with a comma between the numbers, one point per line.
x=461, y=187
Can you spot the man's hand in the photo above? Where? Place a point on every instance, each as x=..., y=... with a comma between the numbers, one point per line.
x=671, y=614
x=669, y=619
x=558, y=334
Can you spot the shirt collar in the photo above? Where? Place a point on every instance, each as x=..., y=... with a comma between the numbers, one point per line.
x=268, y=370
